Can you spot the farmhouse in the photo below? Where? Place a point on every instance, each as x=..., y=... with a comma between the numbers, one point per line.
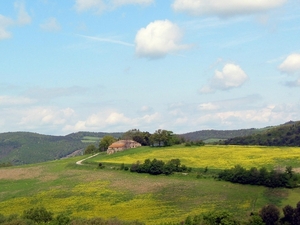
x=122, y=145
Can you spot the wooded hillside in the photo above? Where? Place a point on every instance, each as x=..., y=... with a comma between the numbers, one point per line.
x=218, y=134
x=287, y=134
x=25, y=147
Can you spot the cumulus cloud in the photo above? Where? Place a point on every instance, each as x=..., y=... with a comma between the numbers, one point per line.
x=125, y=2
x=231, y=76
x=158, y=39
x=39, y=116
x=112, y=121
x=5, y=22
x=208, y=106
x=225, y=8
x=12, y=100
x=99, y=6
x=51, y=25
x=23, y=16
x=291, y=64
x=96, y=5
x=295, y=83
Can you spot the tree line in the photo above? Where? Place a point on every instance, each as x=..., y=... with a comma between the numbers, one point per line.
x=157, y=167
x=254, y=176
x=160, y=138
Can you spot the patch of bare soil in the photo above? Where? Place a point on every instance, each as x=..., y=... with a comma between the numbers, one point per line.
x=19, y=173
x=296, y=170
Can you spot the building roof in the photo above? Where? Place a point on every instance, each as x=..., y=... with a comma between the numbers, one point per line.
x=117, y=145
x=121, y=143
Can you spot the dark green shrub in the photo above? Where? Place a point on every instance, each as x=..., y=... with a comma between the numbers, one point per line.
x=270, y=214
x=38, y=215
x=62, y=219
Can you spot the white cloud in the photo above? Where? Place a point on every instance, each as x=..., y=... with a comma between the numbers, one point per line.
x=206, y=90
x=231, y=76
x=291, y=64
x=23, y=16
x=150, y=118
x=125, y=2
x=96, y=5
x=115, y=118
x=39, y=116
x=112, y=121
x=5, y=22
x=295, y=83
x=225, y=8
x=208, y=106
x=158, y=39
x=99, y=6
x=10, y=100
x=51, y=25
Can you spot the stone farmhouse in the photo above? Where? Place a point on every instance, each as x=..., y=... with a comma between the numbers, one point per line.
x=122, y=145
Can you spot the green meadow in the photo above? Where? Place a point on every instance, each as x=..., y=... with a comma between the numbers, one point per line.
x=85, y=191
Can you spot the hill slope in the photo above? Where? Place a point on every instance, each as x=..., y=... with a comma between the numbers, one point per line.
x=218, y=134
x=287, y=134
x=25, y=147
x=83, y=191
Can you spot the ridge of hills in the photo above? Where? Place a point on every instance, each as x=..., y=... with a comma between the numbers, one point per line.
x=287, y=134
x=26, y=147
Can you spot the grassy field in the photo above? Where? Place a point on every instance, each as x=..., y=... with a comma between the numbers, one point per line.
x=85, y=191
x=89, y=139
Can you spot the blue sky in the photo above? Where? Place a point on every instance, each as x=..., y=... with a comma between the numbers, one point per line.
x=180, y=65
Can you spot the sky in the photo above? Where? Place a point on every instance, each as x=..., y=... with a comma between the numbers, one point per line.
x=180, y=65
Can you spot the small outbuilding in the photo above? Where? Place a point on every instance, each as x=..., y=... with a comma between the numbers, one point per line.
x=122, y=145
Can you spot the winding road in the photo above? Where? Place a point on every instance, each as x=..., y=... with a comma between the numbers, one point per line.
x=80, y=161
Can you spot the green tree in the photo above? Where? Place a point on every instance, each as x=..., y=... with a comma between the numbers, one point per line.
x=38, y=215
x=219, y=218
x=255, y=220
x=62, y=219
x=105, y=142
x=90, y=149
x=135, y=134
x=270, y=214
x=288, y=212
x=162, y=138
x=156, y=167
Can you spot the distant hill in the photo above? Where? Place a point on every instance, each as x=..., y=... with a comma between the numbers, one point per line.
x=25, y=147
x=287, y=134
x=216, y=135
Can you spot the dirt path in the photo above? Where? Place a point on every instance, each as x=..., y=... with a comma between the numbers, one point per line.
x=80, y=161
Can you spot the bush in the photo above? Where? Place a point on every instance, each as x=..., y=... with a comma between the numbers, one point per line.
x=220, y=218
x=62, y=219
x=38, y=215
x=270, y=214
x=272, y=179
x=90, y=149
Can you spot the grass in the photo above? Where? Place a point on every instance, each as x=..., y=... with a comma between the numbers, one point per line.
x=85, y=191
x=89, y=139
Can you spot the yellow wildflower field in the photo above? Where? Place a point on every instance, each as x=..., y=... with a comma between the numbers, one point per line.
x=214, y=156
